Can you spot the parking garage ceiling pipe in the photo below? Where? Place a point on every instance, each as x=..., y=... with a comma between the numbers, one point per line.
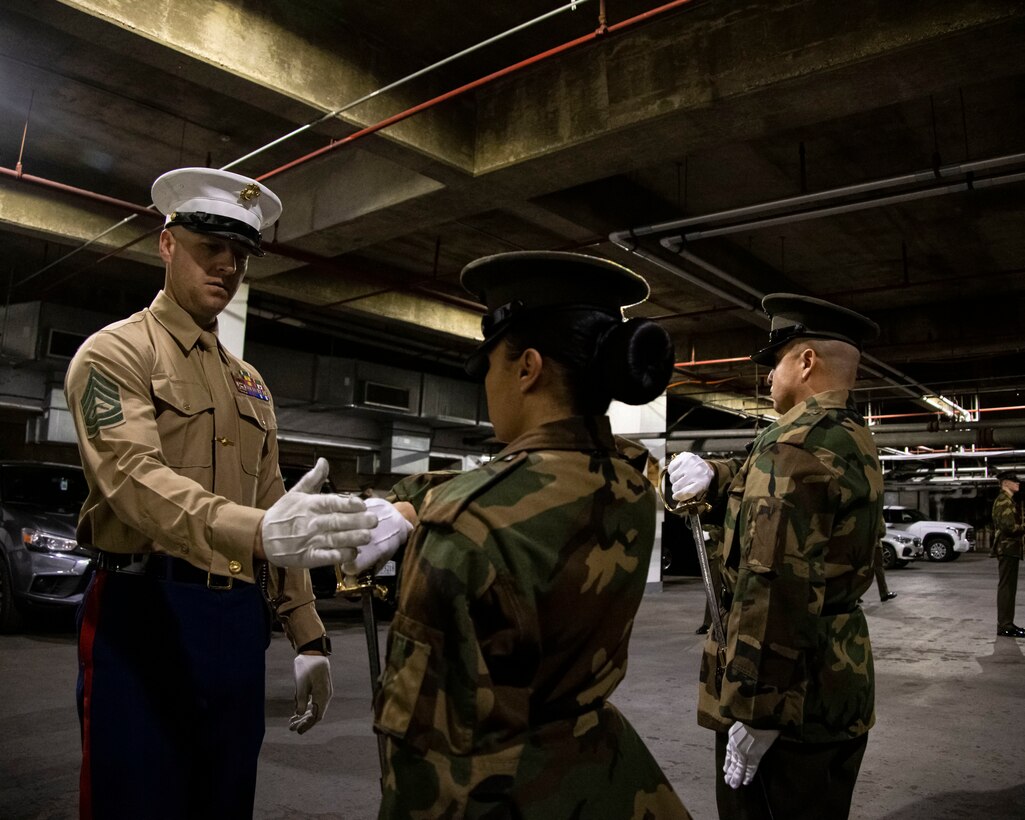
x=796, y=203
x=628, y=239
x=602, y=30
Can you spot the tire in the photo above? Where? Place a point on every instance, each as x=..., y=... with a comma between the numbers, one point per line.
x=889, y=556
x=10, y=614
x=939, y=549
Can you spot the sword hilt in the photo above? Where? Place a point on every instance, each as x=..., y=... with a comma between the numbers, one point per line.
x=694, y=506
x=356, y=586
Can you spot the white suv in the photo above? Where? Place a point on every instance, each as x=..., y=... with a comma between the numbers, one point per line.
x=900, y=547
x=943, y=540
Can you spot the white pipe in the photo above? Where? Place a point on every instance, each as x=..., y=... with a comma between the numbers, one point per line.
x=392, y=86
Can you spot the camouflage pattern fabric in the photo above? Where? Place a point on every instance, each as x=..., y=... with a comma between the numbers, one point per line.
x=1008, y=529
x=516, y=603
x=803, y=518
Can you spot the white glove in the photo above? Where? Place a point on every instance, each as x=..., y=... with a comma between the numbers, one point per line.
x=689, y=476
x=307, y=528
x=391, y=532
x=744, y=752
x=313, y=690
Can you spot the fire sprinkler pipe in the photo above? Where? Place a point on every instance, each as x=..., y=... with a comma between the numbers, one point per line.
x=600, y=31
x=496, y=75
x=80, y=192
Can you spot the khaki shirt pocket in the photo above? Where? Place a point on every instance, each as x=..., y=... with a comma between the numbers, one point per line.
x=184, y=417
x=255, y=421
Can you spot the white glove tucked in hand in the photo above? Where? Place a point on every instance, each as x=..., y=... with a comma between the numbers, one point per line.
x=744, y=752
x=307, y=528
x=313, y=690
x=689, y=476
x=391, y=532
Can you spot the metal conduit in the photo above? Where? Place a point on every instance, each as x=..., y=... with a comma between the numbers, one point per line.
x=601, y=31
x=820, y=196
x=628, y=239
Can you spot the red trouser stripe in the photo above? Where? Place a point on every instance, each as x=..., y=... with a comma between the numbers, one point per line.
x=86, y=637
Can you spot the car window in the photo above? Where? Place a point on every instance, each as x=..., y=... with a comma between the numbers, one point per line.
x=911, y=516
x=52, y=488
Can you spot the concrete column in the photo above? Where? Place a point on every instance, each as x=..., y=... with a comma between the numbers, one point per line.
x=638, y=423
x=231, y=324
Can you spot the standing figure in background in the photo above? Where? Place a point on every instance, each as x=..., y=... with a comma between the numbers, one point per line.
x=521, y=581
x=1008, y=534
x=794, y=702
x=186, y=507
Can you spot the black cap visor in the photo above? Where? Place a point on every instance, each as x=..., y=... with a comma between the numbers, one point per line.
x=781, y=337
x=225, y=227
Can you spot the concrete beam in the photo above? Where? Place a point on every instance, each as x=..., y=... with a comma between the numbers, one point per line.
x=304, y=52
x=65, y=219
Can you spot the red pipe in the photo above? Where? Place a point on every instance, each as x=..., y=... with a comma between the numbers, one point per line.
x=70, y=189
x=416, y=109
x=713, y=361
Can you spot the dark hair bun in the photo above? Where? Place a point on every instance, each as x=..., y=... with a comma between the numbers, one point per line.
x=636, y=358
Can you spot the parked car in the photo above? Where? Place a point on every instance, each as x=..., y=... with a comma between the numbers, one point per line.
x=900, y=548
x=943, y=540
x=326, y=580
x=41, y=563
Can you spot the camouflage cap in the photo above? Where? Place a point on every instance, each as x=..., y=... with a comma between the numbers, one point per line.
x=522, y=283
x=1008, y=475
x=805, y=317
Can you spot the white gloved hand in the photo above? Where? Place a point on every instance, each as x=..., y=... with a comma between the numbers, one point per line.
x=313, y=690
x=744, y=752
x=391, y=532
x=307, y=528
x=689, y=476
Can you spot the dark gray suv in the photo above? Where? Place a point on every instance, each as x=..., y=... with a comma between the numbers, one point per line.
x=41, y=563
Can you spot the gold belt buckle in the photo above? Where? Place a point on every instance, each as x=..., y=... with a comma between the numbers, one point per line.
x=211, y=585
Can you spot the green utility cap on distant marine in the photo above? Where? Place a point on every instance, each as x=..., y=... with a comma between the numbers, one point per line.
x=523, y=283
x=805, y=317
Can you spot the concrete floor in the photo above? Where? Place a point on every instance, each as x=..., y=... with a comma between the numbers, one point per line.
x=948, y=742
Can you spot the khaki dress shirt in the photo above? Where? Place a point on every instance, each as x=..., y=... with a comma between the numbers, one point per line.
x=178, y=441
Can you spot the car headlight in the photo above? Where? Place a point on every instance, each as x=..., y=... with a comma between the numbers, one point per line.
x=900, y=539
x=40, y=541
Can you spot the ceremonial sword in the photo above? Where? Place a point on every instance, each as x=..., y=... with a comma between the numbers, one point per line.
x=692, y=510
x=365, y=587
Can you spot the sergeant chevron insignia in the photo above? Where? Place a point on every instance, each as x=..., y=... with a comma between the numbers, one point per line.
x=101, y=403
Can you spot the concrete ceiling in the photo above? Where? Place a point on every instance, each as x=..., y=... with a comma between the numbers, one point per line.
x=683, y=114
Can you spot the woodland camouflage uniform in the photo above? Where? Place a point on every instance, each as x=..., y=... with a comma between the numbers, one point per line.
x=1008, y=526
x=517, y=599
x=803, y=518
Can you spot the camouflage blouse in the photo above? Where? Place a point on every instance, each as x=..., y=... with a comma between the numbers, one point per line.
x=803, y=518
x=517, y=599
x=1008, y=529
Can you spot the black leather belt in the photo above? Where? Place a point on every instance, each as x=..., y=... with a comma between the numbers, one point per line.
x=163, y=567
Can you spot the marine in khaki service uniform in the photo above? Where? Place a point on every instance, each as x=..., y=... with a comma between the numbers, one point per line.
x=1008, y=535
x=178, y=441
x=522, y=579
x=793, y=706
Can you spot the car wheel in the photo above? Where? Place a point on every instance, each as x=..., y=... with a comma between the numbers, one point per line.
x=10, y=615
x=889, y=556
x=938, y=550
